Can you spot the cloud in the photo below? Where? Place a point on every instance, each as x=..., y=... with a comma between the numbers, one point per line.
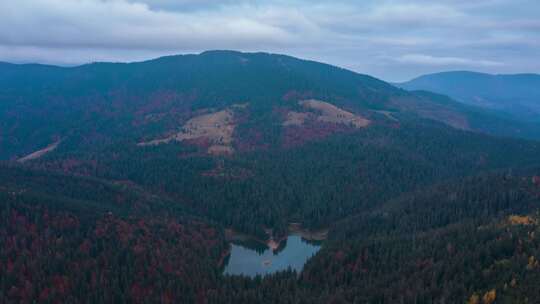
x=126, y=25
x=392, y=39
x=421, y=59
x=187, y=5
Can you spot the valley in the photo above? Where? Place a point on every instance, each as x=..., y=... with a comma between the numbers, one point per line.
x=229, y=177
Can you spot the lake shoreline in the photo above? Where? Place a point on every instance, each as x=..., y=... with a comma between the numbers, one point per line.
x=274, y=243
x=308, y=234
x=223, y=257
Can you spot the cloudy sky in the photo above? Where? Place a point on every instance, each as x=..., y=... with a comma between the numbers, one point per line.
x=393, y=40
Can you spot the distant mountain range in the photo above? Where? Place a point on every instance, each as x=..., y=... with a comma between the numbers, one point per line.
x=517, y=96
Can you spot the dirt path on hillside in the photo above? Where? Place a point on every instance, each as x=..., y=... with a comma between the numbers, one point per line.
x=39, y=153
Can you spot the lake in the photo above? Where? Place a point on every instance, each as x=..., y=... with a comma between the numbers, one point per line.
x=251, y=261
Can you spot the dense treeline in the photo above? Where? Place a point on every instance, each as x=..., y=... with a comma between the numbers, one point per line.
x=316, y=183
x=475, y=239
x=57, y=248
x=476, y=199
x=452, y=244
x=406, y=224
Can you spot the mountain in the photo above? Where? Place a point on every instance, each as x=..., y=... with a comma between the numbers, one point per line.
x=485, y=120
x=251, y=140
x=137, y=174
x=96, y=104
x=517, y=96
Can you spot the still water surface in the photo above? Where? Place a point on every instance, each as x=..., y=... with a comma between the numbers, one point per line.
x=293, y=253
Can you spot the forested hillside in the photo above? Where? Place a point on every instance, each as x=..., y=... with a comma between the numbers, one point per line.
x=450, y=242
x=96, y=104
x=136, y=175
x=82, y=240
x=470, y=241
x=316, y=183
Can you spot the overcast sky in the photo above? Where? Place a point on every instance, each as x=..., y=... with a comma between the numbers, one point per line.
x=393, y=40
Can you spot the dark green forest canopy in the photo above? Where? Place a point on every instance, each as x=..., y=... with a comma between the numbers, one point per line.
x=473, y=235
x=316, y=183
x=423, y=204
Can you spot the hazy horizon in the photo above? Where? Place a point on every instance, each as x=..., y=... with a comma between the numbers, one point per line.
x=198, y=53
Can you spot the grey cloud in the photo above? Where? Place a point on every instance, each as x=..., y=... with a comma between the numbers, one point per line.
x=392, y=39
x=119, y=24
